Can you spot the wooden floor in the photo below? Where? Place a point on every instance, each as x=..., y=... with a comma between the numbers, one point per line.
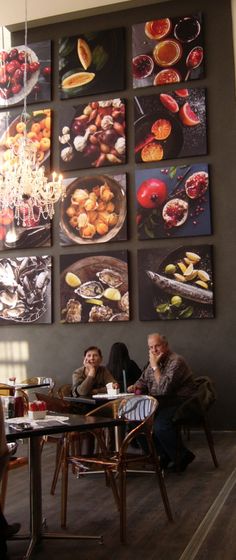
x=203, y=501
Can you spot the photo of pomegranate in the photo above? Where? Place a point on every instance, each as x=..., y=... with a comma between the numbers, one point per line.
x=173, y=202
x=197, y=184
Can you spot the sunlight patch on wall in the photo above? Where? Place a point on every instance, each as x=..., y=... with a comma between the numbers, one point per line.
x=14, y=357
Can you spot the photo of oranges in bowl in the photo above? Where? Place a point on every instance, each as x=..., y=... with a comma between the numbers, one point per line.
x=35, y=127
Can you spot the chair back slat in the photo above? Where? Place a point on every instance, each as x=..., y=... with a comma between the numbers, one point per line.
x=137, y=408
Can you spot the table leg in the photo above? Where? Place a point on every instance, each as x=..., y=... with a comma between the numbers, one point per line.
x=35, y=494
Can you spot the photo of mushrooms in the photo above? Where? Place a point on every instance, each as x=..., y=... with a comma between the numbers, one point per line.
x=37, y=58
x=94, y=287
x=170, y=125
x=167, y=50
x=94, y=210
x=173, y=201
x=25, y=290
x=91, y=63
x=92, y=135
x=176, y=284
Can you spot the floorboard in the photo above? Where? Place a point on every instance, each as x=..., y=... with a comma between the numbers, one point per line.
x=91, y=510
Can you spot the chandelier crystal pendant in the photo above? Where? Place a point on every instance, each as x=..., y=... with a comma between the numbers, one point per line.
x=24, y=187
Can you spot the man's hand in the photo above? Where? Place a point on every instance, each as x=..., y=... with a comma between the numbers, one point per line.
x=154, y=358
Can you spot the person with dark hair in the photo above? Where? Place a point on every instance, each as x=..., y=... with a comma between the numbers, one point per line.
x=124, y=370
x=168, y=378
x=92, y=377
x=6, y=531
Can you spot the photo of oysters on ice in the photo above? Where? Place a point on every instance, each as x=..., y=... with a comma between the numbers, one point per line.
x=25, y=289
x=176, y=284
x=94, y=288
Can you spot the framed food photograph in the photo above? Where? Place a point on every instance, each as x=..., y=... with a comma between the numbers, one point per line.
x=94, y=210
x=92, y=135
x=36, y=127
x=176, y=283
x=94, y=287
x=168, y=50
x=91, y=63
x=170, y=125
x=173, y=201
x=25, y=290
x=37, y=57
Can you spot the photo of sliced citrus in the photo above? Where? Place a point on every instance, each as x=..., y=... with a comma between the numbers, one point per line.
x=161, y=129
x=77, y=79
x=158, y=28
x=72, y=280
x=152, y=152
x=187, y=115
x=167, y=76
x=112, y=293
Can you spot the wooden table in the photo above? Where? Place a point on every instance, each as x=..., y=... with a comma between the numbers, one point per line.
x=67, y=424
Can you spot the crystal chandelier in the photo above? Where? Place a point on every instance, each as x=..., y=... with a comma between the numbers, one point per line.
x=24, y=187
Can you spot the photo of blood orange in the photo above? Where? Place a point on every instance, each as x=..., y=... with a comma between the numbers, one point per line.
x=187, y=115
x=167, y=76
x=158, y=28
x=161, y=129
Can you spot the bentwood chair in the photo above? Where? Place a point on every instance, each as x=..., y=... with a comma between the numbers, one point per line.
x=14, y=462
x=193, y=413
x=39, y=381
x=56, y=404
x=140, y=411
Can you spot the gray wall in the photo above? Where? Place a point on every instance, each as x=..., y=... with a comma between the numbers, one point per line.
x=208, y=345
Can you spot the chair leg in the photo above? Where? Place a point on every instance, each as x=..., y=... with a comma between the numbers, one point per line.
x=160, y=477
x=59, y=457
x=210, y=442
x=64, y=483
x=122, y=492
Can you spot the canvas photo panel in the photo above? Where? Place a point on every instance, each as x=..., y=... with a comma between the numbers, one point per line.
x=94, y=287
x=37, y=57
x=168, y=50
x=91, y=63
x=170, y=125
x=176, y=283
x=94, y=210
x=92, y=135
x=173, y=201
x=25, y=290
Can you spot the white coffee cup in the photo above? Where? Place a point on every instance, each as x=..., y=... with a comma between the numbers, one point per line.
x=110, y=389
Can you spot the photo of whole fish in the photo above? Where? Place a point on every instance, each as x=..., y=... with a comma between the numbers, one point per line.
x=176, y=284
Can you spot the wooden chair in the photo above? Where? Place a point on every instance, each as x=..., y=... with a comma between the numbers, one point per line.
x=14, y=461
x=193, y=413
x=56, y=404
x=39, y=380
x=139, y=410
